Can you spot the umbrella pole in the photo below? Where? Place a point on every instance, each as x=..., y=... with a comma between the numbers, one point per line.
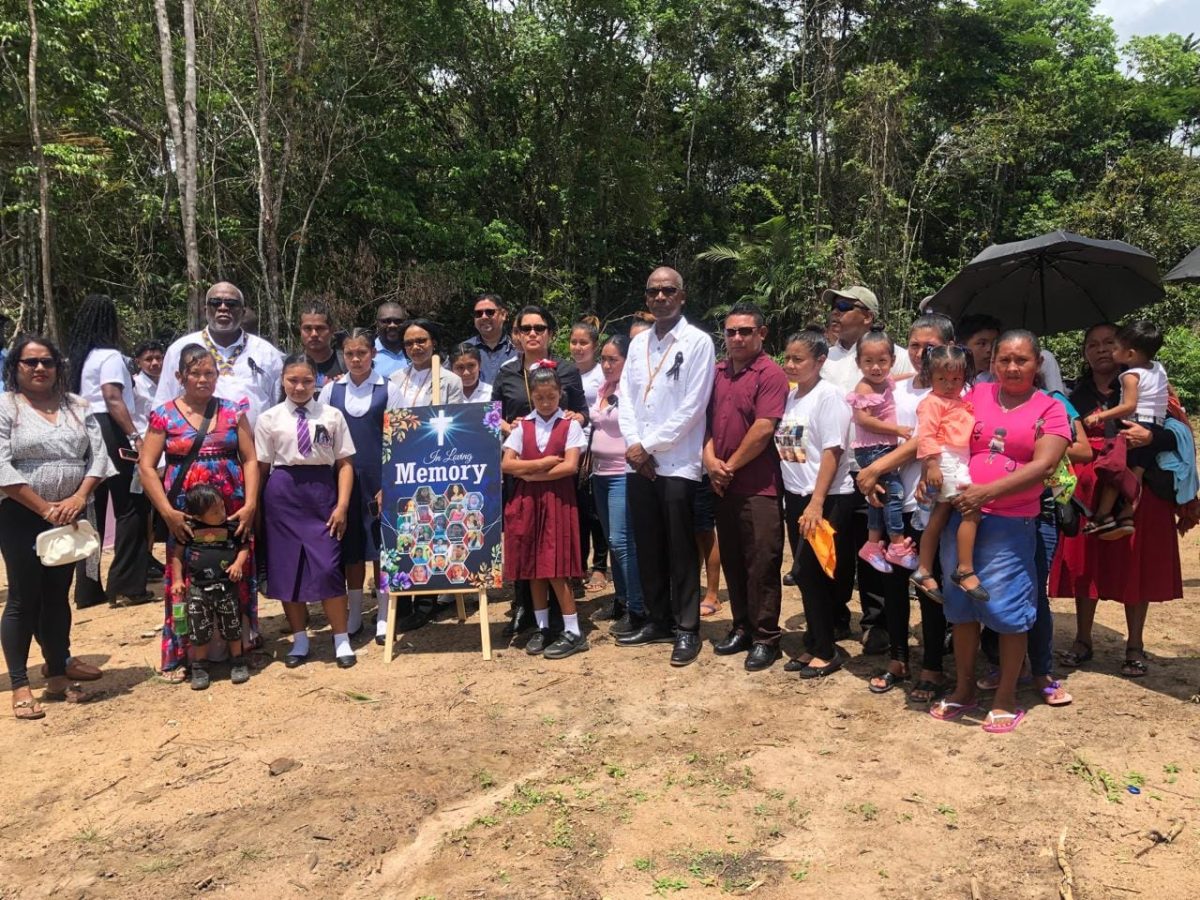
x=1042, y=288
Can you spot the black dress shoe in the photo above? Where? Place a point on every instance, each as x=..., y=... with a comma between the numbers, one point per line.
x=876, y=641
x=650, y=633
x=539, y=642
x=627, y=624
x=734, y=642
x=789, y=580
x=687, y=648
x=609, y=613
x=522, y=620
x=293, y=662
x=794, y=665
x=347, y=662
x=811, y=671
x=419, y=618
x=761, y=656
x=566, y=644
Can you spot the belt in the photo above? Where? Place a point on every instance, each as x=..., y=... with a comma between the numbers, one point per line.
x=1149, y=420
x=174, y=460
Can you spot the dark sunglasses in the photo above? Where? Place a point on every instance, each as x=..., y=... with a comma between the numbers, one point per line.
x=655, y=291
x=39, y=362
x=228, y=302
x=391, y=321
x=843, y=305
x=485, y=313
x=533, y=329
x=745, y=331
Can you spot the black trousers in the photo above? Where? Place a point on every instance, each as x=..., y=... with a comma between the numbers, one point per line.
x=897, y=609
x=664, y=529
x=591, y=534
x=130, y=564
x=822, y=602
x=870, y=582
x=750, y=531
x=38, y=605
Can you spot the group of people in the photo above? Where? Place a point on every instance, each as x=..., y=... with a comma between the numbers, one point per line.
x=949, y=466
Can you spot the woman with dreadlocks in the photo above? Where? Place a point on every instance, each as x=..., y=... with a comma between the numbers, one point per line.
x=100, y=375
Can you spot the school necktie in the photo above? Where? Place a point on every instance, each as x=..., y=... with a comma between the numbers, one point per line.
x=303, y=441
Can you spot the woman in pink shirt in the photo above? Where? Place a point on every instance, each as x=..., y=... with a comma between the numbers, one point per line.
x=1020, y=435
x=608, y=490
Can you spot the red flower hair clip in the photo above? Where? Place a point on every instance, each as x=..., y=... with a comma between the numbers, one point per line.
x=546, y=364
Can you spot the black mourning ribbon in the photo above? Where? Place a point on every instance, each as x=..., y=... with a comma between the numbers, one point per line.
x=255, y=367
x=673, y=372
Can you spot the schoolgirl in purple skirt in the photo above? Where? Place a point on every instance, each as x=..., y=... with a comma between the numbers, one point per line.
x=306, y=447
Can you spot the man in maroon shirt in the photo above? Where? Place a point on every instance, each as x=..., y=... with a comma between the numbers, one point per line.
x=747, y=402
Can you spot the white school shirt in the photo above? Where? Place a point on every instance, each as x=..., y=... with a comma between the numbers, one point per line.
x=665, y=413
x=481, y=394
x=358, y=396
x=102, y=367
x=1152, y=391
x=541, y=433
x=255, y=378
x=144, y=388
x=275, y=435
x=907, y=397
x=824, y=416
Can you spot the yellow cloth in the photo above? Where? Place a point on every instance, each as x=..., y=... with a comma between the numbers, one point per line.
x=821, y=540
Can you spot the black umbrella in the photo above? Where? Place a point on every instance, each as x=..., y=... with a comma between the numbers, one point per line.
x=1057, y=282
x=1188, y=270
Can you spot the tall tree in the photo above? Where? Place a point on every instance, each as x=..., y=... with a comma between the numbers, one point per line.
x=43, y=173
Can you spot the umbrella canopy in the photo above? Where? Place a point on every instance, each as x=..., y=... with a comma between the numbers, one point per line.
x=1057, y=282
x=1188, y=270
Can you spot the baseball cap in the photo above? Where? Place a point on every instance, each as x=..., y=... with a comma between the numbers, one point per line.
x=857, y=293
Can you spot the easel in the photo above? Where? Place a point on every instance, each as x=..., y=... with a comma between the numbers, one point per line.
x=485, y=634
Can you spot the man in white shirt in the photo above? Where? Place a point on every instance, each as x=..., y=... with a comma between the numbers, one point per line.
x=148, y=357
x=665, y=389
x=852, y=312
x=249, y=368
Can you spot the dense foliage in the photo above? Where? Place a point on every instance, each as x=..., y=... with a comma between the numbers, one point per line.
x=555, y=150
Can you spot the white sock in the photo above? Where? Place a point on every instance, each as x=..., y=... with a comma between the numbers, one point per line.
x=571, y=624
x=381, y=616
x=299, y=644
x=542, y=617
x=356, y=602
x=341, y=645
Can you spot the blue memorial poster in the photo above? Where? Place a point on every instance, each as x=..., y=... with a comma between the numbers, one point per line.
x=442, y=505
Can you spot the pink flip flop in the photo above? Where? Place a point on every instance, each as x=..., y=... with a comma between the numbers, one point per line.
x=1003, y=723
x=1049, y=692
x=948, y=710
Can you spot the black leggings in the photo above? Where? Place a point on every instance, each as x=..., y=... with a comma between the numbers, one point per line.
x=896, y=605
x=37, y=604
x=822, y=606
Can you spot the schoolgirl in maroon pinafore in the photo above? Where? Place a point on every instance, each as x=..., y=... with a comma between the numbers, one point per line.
x=541, y=519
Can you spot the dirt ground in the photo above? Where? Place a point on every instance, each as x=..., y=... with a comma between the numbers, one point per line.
x=605, y=775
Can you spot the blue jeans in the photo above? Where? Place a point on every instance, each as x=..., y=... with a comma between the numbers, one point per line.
x=613, y=510
x=890, y=518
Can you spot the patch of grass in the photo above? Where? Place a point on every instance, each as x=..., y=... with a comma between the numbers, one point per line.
x=761, y=809
x=1099, y=779
x=668, y=884
x=359, y=697
x=487, y=821
x=643, y=863
x=949, y=812
x=561, y=834
x=548, y=720
x=159, y=865
x=800, y=874
x=614, y=770
x=1137, y=779
x=527, y=797
x=1171, y=770
x=775, y=794
x=252, y=854
x=89, y=834
x=869, y=811
x=485, y=779
x=692, y=758
x=639, y=796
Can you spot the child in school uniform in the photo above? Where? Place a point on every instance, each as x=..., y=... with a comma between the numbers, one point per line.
x=541, y=520
x=205, y=570
x=307, y=447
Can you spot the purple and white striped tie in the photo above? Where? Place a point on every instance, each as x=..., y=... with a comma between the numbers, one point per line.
x=303, y=441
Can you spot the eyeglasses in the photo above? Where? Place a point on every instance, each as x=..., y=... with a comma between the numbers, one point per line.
x=533, y=329
x=844, y=305
x=655, y=291
x=391, y=321
x=227, y=302
x=486, y=313
x=415, y=342
x=39, y=362
x=745, y=331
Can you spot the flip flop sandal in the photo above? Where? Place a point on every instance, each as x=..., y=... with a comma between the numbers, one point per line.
x=73, y=693
x=918, y=579
x=931, y=688
x=708, y=608
x=597, y=583
x=978, y=593
x=1099, y=526
x=1122, y=528
x=889, y=679
x=1073, y=660
x=28, y=709
x=1003, y=723
x=948, y=710
x=1051, y=690
x=1135, y=667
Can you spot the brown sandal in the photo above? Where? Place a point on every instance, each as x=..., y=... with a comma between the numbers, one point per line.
x=709, y=608
x=77, y=671
x=27, y=709
x=72, y=693
x=597, y=583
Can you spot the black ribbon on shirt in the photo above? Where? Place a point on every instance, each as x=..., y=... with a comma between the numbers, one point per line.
x=673, y=372
x=255, y=367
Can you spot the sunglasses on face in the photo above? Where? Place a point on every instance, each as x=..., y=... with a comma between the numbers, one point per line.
x=227, y=302
x=745, y=331
x=391, y=321
x=655, y=291
x=485, y=313
x=533, y=329
x=39, y=362
x=845, y=306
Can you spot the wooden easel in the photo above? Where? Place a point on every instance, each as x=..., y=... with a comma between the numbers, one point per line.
x=485, y=634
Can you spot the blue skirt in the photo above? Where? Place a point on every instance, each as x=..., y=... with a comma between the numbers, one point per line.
x=1005, y=564
x=304, y=564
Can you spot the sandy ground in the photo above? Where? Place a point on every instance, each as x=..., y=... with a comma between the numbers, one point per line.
x=605, y=775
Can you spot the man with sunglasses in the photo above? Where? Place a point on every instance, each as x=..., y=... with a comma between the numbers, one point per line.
x=748, y=399
x=494, y=343
x=249, y=367
x=389, y=339
x=665, y=387
x=852, y=313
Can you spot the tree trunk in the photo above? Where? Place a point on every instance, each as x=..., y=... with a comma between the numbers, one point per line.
x=268, y=203
x=39, y=158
